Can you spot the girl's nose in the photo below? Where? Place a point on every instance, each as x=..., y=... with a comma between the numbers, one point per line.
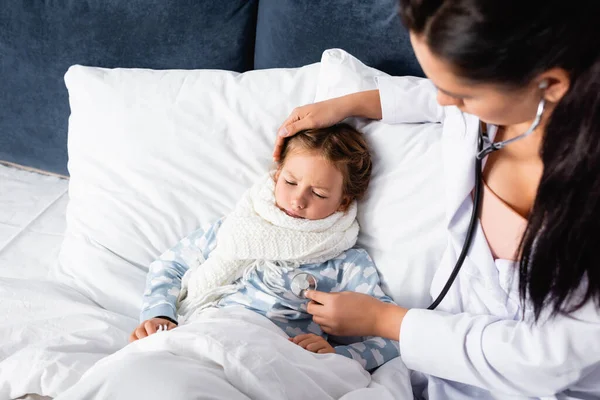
x=299, y=203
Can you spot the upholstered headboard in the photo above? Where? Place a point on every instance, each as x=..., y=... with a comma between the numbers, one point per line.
x=39, y=40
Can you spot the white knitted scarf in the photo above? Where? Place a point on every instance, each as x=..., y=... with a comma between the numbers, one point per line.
x=257, y=235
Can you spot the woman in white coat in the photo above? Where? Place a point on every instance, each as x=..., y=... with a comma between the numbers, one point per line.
x=523, y=316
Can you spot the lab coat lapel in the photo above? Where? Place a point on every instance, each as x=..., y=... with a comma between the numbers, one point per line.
x=459, y=141
x=459, y=151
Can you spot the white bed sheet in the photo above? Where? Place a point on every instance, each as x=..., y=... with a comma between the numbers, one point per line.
x=32, y=212
x=50, y=334
x=32, y=222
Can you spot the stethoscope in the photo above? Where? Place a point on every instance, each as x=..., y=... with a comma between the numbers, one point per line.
x=484, y=147
x=303, y=281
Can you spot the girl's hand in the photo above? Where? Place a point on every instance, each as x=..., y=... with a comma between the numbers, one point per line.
x=313, y=343
x=150, y=327
x=355, y=314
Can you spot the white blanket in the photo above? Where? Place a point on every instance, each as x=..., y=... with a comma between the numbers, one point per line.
x=230, y=353
x=50, y=335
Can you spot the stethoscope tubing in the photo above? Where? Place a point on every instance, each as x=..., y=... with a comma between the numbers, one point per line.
x=484, y=147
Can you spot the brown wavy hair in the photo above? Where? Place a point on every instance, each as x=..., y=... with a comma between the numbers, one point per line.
x=343, y=146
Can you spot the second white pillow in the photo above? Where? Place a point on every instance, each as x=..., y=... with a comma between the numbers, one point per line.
x=402, y=216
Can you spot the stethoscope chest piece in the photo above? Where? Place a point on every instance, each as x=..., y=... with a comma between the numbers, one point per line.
x=301, y=282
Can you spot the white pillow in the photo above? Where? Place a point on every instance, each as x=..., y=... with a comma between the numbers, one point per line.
x=153, y=155
x=402, y=216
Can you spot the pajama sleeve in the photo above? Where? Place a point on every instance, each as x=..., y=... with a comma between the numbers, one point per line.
x=163, y=282
x=360, y=275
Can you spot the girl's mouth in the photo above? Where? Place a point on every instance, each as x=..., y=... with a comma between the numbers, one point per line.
x=291, y=214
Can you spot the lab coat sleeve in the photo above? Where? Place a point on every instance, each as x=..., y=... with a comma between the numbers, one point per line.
x=512, y=357
x=408, y=99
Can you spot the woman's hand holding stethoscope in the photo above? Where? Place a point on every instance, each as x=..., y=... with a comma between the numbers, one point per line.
x=355, y=314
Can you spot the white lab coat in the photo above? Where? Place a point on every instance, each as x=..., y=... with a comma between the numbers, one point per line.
x=475, y=344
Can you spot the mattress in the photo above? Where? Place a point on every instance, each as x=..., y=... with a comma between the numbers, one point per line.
x=32, y=216
x=38, y=349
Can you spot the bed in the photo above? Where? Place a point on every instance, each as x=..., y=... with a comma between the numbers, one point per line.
x=32, y=226
x=171, y=110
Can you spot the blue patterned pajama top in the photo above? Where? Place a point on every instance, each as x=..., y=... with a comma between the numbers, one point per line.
x=353, y=270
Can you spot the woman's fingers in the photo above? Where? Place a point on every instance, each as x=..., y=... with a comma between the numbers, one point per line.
x=283, y=131
x=316, y=309
x=300, y=119
x=311, y=116
x=301, y=124
x=319, y=297
x=278, y=148
x=326, y=329
x=322, y=321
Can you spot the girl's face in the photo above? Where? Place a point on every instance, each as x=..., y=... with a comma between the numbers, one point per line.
x=491, y=103
x=308, y=186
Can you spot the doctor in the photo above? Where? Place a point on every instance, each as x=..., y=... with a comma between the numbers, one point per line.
x=522, y=318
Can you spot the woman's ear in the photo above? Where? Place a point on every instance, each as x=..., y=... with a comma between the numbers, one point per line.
x=554, y=84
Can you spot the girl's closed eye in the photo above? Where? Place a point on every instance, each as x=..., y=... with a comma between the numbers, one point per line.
x=290, y=183
x=319, y=195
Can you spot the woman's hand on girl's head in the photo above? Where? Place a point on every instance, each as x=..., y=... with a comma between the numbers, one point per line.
x=327, y=113
x=311, y=116
x=150, y=327
x=355, y=314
